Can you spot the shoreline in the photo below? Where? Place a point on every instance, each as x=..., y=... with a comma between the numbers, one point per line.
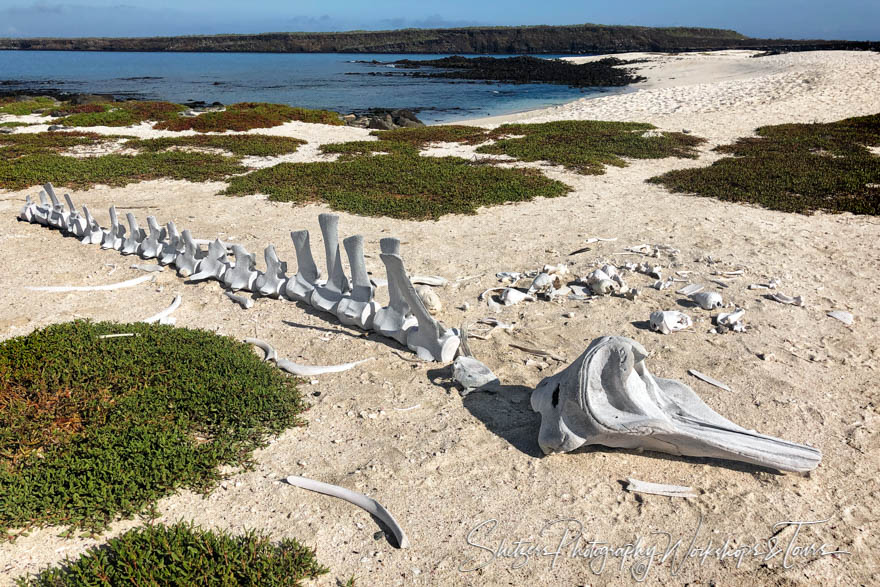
x=443, y=464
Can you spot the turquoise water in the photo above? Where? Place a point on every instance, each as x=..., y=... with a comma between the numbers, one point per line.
x=331, y=81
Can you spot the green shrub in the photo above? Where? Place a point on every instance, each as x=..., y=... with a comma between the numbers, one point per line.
x=94, y=428
x=399, y=186
x=239, y=145
x=11, y=124
x=123, y=113
x=18, y=145
x=115, y=170
x=248, y=115
x=794, y=168
x=587, y=146
x=360, y=148
x=183, y=554
x=11, y=106
x=420, y=136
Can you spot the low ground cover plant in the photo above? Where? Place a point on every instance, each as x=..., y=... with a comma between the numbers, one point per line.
x=94, y=428
x=794, y=168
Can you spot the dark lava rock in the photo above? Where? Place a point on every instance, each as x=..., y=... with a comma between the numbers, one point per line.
x=383, y=119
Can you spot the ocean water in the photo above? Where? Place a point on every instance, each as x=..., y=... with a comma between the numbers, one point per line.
x=331, y=81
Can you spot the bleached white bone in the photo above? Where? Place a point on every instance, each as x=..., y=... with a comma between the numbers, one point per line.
x=689, y=290
x=430, y=340
x=163, y=316
x=57, y=217
x=357, y=307
x=93, y=234
x=327, y=296
x=172, y=246
x=362, y=501
x=394, y=320
x=213, y=265
x=113, y=235
x=300, y=286
x=188, y=261
x=268, y=349
x=76, y=224
x=309, y=370
x=244, y=273
x=27, y=211
x=668, y=321
x=245, y=302
x=108, y=287
x=42, y=210
x=659, y=489
x=274, y=279
x=136, y=235
x=708, y=300
x=151, y=246
x=608, y=397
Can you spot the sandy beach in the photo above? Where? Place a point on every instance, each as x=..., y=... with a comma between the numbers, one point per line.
x=399, y=431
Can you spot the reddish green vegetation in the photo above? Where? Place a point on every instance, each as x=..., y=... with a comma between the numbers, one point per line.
x=422, y=135
x=68, y=109
x=17, y=145
x=122, y=113
x=18, y=107
x=239, y=145
x=794, y=168
x=247, y=116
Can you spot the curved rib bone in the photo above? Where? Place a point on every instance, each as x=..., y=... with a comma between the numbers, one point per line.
x=267, y=348
x=172, y=247
x=136, y=235
x=430, y=340
x=108, y=287
x=362, y=501
x=152, y=244
x=213, y=265
x=113, y=235
x=274, y=279
x=243, y=274
x=187, y=261
x=301, y=285
x=357, y=308
x=309, y=370
x=394, y=320
x=163, y=316
x=326, y=297
x=608, y=397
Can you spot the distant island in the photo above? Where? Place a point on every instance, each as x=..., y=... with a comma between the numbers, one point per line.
x=572, y=39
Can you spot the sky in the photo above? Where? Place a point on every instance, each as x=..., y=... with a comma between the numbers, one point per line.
x=794, y=19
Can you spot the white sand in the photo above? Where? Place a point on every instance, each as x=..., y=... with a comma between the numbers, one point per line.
x=448, y=464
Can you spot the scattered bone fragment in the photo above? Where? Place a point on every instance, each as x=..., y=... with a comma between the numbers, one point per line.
x=508, y=277
x=108, y=287
x=690, y=290
x=164, y=317
x=432, y=280
x=362, y=501
x=473, y=375
x=150, y=268
x=732, y=320
x=661, y=285
x=609, y=397
x=601, y=283
x=634, y=485
x=668, y=321
x=784, y=299
x=538, y=352
x=245, y=302
x=708, y=300
x=511, y=296
x=709, y=380
x=120, y=335
x=841, y=315
x=597, y=239
x=772, y=284
x=429, y=298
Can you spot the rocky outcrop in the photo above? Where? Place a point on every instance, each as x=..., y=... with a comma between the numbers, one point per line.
x=381, y=119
